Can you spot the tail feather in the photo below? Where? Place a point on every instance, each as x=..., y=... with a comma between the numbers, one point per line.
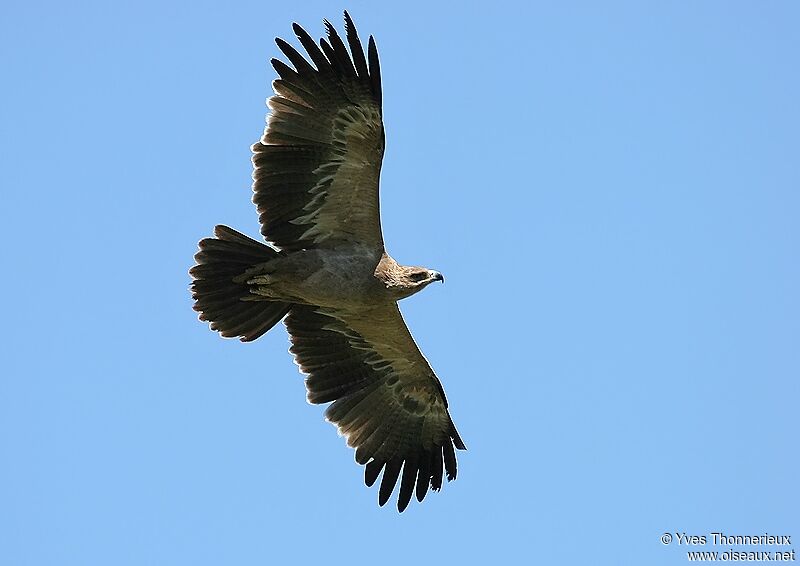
x=218, y=298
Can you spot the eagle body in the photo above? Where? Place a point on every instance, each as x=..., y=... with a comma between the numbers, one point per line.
x=323, y=268
x=325, y=277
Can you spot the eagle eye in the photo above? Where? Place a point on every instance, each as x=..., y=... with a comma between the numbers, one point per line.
x=418, y=276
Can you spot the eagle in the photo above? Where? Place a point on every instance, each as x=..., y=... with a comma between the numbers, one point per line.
x=324, y=269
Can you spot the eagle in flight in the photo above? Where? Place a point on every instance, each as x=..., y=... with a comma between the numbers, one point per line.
x=326, y=270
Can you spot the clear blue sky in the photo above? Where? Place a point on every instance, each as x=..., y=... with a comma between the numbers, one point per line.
x=612, y=190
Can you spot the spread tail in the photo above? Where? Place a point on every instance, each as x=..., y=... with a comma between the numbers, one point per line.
x=218, y=298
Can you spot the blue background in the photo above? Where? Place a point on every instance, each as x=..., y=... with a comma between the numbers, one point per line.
x=612, y=191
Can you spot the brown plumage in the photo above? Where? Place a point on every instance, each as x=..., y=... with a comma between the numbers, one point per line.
x=317, y=170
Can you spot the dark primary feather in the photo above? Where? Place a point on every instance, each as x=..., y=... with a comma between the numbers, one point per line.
x=336, y=52
x=423, y=475
x=407, y=483
x=375, y=70
x=355, y=47
x=371, y=472
x=390, y=473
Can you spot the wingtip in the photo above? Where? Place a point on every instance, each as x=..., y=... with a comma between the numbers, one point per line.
x=348, y=21
x=374, y=69
x=372, y=51
x=299, y=31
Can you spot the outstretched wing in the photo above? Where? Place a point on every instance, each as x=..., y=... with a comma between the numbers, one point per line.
x=317, y=166
x=387, y=401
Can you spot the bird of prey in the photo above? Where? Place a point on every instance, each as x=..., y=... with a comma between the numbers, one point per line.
x=325, y=268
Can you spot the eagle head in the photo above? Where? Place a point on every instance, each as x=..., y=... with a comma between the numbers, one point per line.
x=414, y=279
x=420, y=276
x=405, y=280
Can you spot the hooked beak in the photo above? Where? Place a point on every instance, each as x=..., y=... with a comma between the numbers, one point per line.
x=436, y=276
